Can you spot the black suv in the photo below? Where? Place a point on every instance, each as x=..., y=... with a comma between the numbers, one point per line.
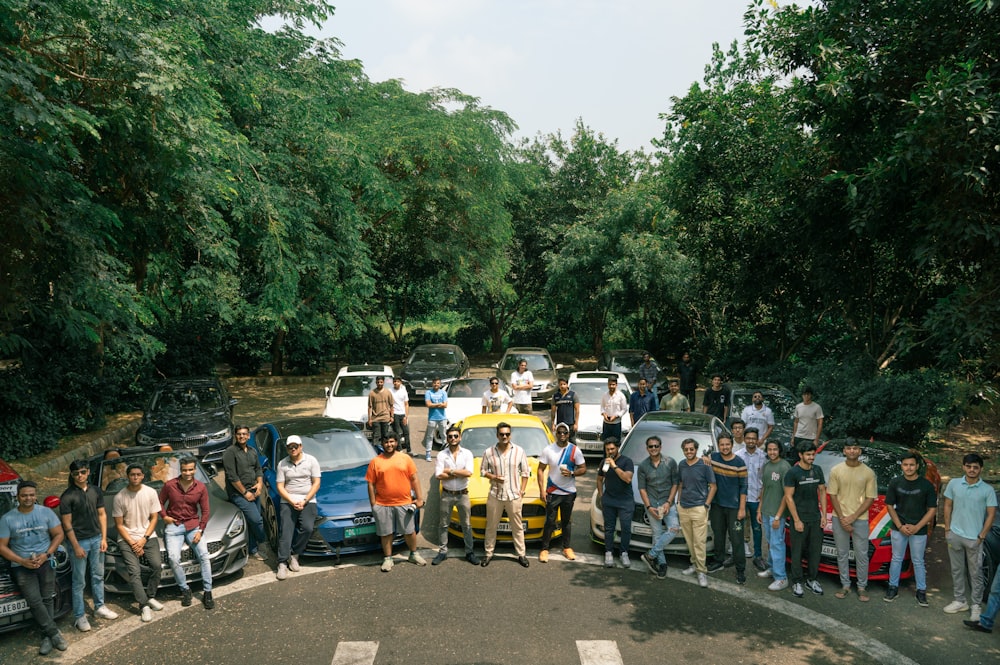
x=193, y=414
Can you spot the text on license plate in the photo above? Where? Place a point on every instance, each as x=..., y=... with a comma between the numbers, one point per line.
x=831, y=551
x=14, y=607
x=503, y=526
x=355, y=531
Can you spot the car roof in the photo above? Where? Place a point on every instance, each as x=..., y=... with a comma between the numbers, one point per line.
x=596, y=377
x=691, y=421
x=436, y=346
x=190, y=381
x=526, y=349
x=627, y=352
x=308, y=424
x=365, y=370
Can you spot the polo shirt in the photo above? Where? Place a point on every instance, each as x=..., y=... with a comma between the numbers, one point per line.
x=657, y=480
x=298, y=477
x=83, y=506
x=565, y=409
x=969, y=504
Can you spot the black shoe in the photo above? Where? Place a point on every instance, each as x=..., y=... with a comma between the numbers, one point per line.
x=649, y=561
x=921, y=598
x=523, y=560
x=741, y=577
x=661, y=571
x=729, y=562
x=759, y=564
x=890, y=594
x=441, y=556
x=714, y=567
x=486, y=561
x=185, y=597
x=975, y=625
x=208, y=601
x=472, y=558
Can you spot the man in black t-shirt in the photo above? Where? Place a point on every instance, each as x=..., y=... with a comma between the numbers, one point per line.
x=614, y=488
x=805, y=498
x=912, y=503
x=714, y=400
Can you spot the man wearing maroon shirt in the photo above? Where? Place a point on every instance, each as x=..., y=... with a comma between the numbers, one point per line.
x=185, y=511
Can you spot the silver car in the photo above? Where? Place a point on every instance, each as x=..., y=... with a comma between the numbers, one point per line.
x=540, y=365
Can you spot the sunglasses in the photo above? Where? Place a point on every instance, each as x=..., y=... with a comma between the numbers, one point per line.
x=452, y=436
x=652, y=447
x=503, y=434
x=81, y=472
x=293, y=446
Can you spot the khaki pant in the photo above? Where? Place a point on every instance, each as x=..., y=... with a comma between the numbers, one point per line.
x=694, y=526
x=495, y=508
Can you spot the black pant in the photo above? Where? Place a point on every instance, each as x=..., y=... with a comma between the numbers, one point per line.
x=725, y=523
x=558, y=508
x=37, y=586
x=811, y=540
x=402, y=431
x=380, y=431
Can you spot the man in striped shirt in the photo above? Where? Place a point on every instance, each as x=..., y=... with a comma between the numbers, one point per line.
x=506, y=467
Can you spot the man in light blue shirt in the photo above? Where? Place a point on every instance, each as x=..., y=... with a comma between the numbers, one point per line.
x=436, y=401
x=969, y=507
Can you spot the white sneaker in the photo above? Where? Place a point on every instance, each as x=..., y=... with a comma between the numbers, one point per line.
x=703, y=580
x=147, y=614
x=815, y=587
x=765, y=573
x=690, y=570
x=626, y=562
x=82, y=624
x=956, y=606
x=417, y=559
x=747, y=550
x=155, y=604
x=387, y=564
x=975, y=613
x=293, y=564
x=282, y=571
x=105, y=612
x=609, y=560
x=778, y=585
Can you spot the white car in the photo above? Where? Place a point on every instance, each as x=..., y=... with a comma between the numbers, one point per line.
x=465, y=398
x=590, y=387
x=347, y=398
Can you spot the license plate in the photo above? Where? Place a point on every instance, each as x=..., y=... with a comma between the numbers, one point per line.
x=503, y=526
x=190, y=568
x=831, y=551
x=641, y=529
x=420, y=392
x=355, y=531
x=14, y=607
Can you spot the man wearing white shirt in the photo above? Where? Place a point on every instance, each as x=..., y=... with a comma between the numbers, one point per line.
x=495, y=400
x=522, y=381
x=759, y=416
x=613, y=407
x=401, y=413
x=298, y=481
x=755, y=458
x=453, y=469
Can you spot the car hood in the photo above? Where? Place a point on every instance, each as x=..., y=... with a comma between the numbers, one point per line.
x=461, y=407
x=170, y=424
x=351, y=409
x=430, y=371
x=479, y=487
x=592, y=421
x=343, y=493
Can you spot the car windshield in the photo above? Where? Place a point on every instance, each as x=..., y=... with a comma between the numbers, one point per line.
x=782, y=404
x=188, y=399
x=591, y=393
x=157, y=468
x=436, y=357
x=885, y=463
x=634, y=446
x=536, y=362
x=353, y=386
x=626, y=363
x=479, y=439
x=468, y=387
x=338, y=449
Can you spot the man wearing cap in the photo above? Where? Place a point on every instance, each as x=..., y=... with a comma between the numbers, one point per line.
x=495, y=399
x=298, y=480
x=244, y=485
x=566, y=407
x=558, y=489
x=136, y=510
x=392, y=485
x=401, y=413
x=185, y=512
x=454, y=468
x=29, y=537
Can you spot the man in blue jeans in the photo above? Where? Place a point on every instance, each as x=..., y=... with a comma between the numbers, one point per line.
x=911, y=501
x=436, y=401
x=657, y=481
x=84, y=520
x=614, y=490
x=988, y=617
x=185, y=512
x=771, y=514
x=244, y=485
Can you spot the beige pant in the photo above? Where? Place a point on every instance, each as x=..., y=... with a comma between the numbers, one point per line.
x=494, y=510
x=694, y=526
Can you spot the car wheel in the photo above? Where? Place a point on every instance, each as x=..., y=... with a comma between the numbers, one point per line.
x=271, y=523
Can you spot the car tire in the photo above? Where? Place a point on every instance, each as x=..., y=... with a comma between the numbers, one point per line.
x=271, y=523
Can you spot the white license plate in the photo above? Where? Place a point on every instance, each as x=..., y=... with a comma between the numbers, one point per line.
x=641, y=529
x=831, y=551
x=190, y=568
x=14, y=607
x=503, y=526
x=420, y=392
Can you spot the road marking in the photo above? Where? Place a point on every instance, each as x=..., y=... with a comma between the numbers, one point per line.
x=598, y=652
x=355, y=653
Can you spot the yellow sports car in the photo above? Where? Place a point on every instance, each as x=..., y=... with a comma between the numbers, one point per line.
x=479, y=432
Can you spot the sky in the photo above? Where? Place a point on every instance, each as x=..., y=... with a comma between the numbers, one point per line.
x=546, y=63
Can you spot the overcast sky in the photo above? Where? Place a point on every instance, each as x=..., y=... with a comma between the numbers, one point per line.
x=614, y=63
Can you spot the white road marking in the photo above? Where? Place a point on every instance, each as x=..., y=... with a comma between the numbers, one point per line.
x=355, y=653
x=598, y=652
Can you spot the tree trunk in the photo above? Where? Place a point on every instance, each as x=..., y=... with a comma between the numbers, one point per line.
x=278, y=354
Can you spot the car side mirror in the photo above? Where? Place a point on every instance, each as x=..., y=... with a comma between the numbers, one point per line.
x=559, y=365
x=326, y=391
x=495, y=365
x=603, y=368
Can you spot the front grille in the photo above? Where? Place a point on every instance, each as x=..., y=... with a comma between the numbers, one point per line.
x=527, y=510
x=184, y=441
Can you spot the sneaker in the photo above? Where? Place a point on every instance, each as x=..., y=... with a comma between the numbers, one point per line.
x=703, y=580
x=472, y=558
x=293, y=563
x=543, y=556
x=45, y=648
x=387, y=564
x=778, y=585
x=975, y=614
x=922, y=597
x=155, y=604
x=569, y=554
x=439, y=558
x=765, y=573
x=956, y=606
x=609, y=560
x=661, y=571
x=59, y=642
x=427, y=458
x=650, y=562
x=759, y=564
x=715, y=566
x=186, y=597
x=105, y=613
x=815, y=587
x=282, y=572
x=891, y=593
x=974, y=625
x=797, y=590
x=741, y=577
x=259, y=556
x=728, y=562
x=82, y=624
x=146, y=614
x=417, y=559
x=626, y=562
x=690, y=570
x=208, y=601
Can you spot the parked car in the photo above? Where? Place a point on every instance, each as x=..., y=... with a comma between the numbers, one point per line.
x=225, y=534
x=590, y=387
x=347, y=398
x=345, y=524
x=192, y=414
x=430, y=361
x=883, y=457
x=14, y=612
x=479, y=433
x=627, y=362
x=544, y=371
x=672, y=427
x=465, y=397
x=779, y=398
x=991, y=554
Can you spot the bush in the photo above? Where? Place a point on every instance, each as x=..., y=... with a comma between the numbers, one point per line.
x=30, y=422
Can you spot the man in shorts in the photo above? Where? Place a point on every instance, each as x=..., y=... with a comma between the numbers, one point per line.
x=392, y=486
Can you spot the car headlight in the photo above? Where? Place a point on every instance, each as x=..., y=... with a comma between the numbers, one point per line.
x=236, y=526
x=543, y=386
x=221, y=435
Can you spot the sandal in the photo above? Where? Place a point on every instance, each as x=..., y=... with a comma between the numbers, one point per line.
x=843, y=593
x=863, y=595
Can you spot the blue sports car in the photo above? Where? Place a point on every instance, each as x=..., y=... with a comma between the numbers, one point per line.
x=345, y=524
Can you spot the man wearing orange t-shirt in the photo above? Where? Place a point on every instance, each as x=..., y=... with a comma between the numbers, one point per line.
x=392, y=486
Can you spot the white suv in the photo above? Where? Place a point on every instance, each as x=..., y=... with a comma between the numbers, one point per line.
x=347, y=398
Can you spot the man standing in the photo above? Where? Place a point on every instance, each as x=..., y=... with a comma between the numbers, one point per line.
x=674, y=400
x=29, y=538
x=969, y=507
x=436, y=401
x=696, y=489
x=244, y=485
x=988, y=618
x=771, y=514
x=84, y=520
x=805, y=499
x=729, y=508
x=564, y=462
x=495, y=399
x=401, y=413
x=185, y=512
x=392, y=485
x=759, y=415
x=911, y=501
x=298, y=481
x=657, y=481
x=641, y=402
x=648, y=370
x=506, y=467
x=135, y=511
x=852, y=490
x=687, y=370
x=380, y=407
x=522, y=381
x=613, y=407
x=454, y=468
x=808, y=423
x=566, y=407
x=755, y=459
x=614, y=491
x=714, y=400
x=738, y=427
